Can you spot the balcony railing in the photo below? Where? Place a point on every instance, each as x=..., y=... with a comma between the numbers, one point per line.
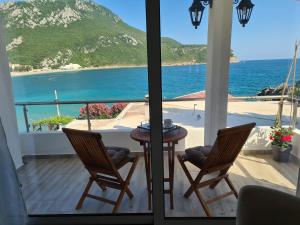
x=25, y=105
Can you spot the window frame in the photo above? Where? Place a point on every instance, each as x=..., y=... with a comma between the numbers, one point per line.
x=155, y=103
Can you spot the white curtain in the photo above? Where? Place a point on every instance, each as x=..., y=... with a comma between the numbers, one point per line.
x=12, y=207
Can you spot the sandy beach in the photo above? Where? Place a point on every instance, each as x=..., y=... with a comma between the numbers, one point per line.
x=47, y=71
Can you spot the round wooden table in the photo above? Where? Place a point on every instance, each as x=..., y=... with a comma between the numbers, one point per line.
x=170, y=139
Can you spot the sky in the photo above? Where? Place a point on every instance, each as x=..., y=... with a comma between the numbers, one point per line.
x=271, y=33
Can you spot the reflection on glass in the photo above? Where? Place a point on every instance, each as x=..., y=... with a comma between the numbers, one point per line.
x=195, y=191
x=78, y=64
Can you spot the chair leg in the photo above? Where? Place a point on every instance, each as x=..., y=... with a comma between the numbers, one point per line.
x=125, y=188
x=130, y=173
x=193, y=187
x=84, y=194
x=214, y=184
x=203, y=203
x=128, y=178
x=119, y=200
x=188, y=175
x=129, y=193
x=230, y=184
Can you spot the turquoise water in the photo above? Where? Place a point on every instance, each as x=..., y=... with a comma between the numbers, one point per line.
x=246, y=78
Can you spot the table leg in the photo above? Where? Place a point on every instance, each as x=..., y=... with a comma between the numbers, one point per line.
x=171, y=160
x=147, y=157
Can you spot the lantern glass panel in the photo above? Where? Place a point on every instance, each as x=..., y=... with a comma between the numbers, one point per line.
x=196, y=13
x=244, y=10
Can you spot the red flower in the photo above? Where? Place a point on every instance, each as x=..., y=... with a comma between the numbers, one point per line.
x=96, y=110
x=118, y=107
x=289, y=138
x=271, y=138
x=286, y=138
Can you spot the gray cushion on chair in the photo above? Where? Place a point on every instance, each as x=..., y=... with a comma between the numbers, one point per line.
x=197, y=155
x=264, y=206
x=117, y=154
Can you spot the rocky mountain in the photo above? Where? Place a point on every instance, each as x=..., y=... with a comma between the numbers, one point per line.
x=55, y=33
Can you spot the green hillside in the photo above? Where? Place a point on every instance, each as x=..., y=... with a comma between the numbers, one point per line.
x=54, y=33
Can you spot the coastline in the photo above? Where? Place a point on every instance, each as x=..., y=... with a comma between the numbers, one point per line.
x=48, y=71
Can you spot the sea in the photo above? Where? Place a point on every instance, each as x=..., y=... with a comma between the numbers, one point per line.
x=246, y=79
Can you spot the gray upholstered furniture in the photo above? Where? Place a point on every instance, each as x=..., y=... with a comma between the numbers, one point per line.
x=264, y=206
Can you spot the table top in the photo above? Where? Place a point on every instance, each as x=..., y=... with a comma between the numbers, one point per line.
x=143, y=135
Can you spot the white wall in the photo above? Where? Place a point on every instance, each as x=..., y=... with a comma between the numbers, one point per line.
x=7, y=108
x=258, y=139
x=296, y=144
x=55, y=143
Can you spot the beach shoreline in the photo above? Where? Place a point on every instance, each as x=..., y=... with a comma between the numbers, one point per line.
x=49, y=71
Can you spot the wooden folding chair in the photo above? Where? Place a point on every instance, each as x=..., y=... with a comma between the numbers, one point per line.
x=102, y=164
x=216, y=158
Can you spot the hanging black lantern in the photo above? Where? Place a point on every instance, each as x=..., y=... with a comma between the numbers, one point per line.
x=196, y=12
x=244, y=10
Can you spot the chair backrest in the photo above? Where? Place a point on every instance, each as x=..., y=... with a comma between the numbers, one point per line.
x=90, y=149
x=228, y=145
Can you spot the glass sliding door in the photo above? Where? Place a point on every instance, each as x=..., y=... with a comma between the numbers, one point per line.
x=183, y=85
x=264, y=69
x=188, y=193
x=81, y=65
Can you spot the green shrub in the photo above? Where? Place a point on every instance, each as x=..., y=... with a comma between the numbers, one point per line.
x=52, y=122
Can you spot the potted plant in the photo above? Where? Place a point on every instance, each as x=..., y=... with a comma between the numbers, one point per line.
x=281, y=139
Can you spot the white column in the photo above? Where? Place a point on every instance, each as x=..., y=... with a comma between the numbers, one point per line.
x=218, y=60
x=7, y=109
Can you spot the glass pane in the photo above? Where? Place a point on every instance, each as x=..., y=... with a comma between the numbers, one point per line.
x=183, y=87
x=81, y=65
x=260, y=60
x=260, y=72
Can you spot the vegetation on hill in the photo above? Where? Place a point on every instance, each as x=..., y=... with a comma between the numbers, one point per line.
x=54, y=33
